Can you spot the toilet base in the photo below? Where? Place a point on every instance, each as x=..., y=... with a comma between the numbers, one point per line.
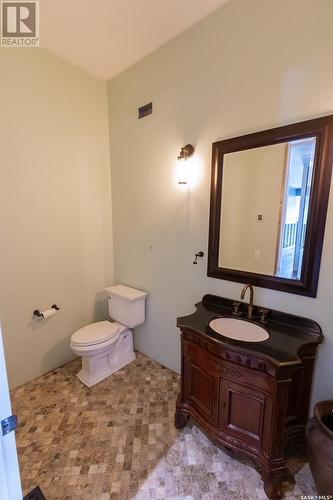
x=99, y=367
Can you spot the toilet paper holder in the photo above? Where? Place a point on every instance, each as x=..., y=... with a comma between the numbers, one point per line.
x=41, y=315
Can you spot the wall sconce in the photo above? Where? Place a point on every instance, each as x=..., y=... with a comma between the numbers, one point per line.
x=185, y=153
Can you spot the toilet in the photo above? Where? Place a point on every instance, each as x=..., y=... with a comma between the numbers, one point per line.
x=107, y=346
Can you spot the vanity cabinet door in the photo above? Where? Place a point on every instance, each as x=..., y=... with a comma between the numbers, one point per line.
x=201, y=388
x=246, y=413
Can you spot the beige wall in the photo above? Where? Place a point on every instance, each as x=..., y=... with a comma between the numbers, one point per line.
x=55, y=207
x=252, y=185
x=248, y=67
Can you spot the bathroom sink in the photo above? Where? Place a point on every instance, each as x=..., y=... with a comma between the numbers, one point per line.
x=239, y=329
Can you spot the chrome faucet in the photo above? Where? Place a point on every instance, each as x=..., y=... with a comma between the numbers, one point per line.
x=250, y=307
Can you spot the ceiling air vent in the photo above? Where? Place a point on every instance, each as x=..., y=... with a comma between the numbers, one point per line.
x=145, y=110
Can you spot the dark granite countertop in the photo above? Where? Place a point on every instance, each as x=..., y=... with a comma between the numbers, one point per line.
x=287, y=333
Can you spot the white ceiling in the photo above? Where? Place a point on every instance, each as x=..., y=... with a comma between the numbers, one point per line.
x=104, y=37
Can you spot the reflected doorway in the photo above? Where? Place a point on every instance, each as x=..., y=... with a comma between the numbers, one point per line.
x=295, y=206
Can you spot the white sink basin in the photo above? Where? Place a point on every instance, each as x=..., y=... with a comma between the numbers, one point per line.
x=238, y=329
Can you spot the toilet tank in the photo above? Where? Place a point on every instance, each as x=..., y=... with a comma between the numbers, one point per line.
x=126, y=305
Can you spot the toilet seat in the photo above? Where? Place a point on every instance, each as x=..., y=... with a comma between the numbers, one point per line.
x=97, y=333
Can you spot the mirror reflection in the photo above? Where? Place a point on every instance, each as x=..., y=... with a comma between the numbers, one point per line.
x=265, y=200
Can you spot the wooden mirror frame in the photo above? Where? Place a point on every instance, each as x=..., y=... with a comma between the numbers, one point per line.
x=322, y=130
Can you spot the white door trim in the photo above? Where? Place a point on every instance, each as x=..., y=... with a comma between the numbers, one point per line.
x=10, y=483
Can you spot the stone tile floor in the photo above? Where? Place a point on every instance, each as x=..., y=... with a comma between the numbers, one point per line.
x=117, y=440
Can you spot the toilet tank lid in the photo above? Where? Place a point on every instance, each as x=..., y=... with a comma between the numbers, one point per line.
x=125, y=292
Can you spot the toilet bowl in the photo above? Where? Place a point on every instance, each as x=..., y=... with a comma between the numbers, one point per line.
x=107, y=346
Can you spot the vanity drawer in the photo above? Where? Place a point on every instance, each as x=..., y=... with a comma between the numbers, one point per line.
x=201, y=355
x=230, y=371
x=249, y=377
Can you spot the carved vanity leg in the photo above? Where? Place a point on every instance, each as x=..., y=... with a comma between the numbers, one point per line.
x=181, y=417
x=276, y=471
x=273, y=485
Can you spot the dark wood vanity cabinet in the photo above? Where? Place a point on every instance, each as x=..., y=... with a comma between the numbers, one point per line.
x=245, y=401
x=227, y=395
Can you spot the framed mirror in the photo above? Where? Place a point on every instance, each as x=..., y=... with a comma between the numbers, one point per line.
x=269, y=197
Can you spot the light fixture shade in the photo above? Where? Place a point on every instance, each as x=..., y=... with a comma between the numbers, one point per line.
x=182, y=173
